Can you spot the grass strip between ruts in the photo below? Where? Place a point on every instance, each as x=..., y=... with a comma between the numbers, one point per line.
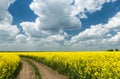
x=36, y=70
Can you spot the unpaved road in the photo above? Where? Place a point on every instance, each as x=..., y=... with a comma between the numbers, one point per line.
x=26, y=71
x=46, y=72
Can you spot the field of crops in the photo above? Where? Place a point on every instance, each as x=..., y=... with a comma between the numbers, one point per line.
x=8, y=65
x=76, y=65
x=84, y=65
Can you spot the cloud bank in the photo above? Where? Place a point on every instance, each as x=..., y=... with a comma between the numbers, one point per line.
x=100, y=36
x=54, y=16
x=7, y=31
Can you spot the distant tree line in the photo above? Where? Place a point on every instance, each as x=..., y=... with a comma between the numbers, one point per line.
x=113, y=50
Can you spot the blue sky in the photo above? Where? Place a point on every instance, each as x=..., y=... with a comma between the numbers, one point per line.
x=53, y=25
x=21, y=11
x=108, y=11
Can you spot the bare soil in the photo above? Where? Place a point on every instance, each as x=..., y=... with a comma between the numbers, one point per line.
x=48, y=73
x=26, y=71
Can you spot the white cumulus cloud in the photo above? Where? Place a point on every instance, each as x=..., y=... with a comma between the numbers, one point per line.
x=83, y=6
x=54, y=16
x=101, y=35
x=7, y=31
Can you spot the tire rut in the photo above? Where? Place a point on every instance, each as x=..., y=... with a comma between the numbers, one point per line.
x=26, y=71
x=46, y=72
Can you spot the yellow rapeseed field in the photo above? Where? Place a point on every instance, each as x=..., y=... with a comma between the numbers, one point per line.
x=76, y=65
x=82, y=65
x=8, y=65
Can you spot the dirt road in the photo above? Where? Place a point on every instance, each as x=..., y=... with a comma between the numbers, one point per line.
x=26, y=71
x=46, y=72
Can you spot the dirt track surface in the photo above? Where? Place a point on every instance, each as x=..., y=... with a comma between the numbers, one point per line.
x=46, y=72
x=26, y=71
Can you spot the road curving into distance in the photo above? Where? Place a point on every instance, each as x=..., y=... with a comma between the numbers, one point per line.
x=27, y=72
